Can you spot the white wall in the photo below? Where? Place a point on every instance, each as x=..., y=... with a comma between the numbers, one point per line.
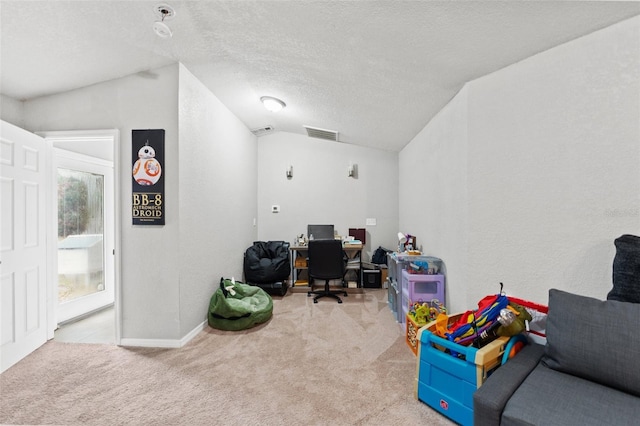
x=12, y=111
x=150, y=281
x=556, y=150
x=553, y=176
x=169, y=272
x=433, y=190
x=320, y=191
x=218, y=190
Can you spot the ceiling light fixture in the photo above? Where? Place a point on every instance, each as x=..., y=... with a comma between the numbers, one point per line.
x=272, y=104
x=164, y=11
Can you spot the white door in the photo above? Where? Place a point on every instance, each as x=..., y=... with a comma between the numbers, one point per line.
x=23, y=310
x=85, y=234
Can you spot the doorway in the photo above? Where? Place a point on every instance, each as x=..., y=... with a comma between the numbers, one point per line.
x=85, y=233
x=84, y=227
x=98, y=327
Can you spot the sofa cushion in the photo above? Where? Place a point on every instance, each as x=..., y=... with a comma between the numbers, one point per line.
x=593, y=339
x=626, y=270
x=548, y=397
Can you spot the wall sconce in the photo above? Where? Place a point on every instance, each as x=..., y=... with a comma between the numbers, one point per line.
x=352, y=170
x=289, y=171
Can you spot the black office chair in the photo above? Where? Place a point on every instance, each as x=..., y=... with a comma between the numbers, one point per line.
x=326, y=262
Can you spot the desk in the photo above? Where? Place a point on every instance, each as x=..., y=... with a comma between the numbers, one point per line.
x=352, y=273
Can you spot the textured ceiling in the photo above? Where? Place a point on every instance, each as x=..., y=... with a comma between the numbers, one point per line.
x=375, y=71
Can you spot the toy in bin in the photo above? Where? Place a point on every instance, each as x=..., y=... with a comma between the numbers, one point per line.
x=496, y=316
x=424, y=312
x=418, y=267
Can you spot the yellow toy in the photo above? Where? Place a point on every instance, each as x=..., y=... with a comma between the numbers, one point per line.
x=424, y=312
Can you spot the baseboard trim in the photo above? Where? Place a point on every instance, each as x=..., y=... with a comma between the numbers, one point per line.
x=193, y=333
x=163, y=343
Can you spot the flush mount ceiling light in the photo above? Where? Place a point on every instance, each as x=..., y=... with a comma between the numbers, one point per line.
x=272, y=104
x=162, y=29
x=165, y=12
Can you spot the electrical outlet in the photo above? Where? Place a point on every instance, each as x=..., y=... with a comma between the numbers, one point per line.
x=371, y=221
x=275, y=208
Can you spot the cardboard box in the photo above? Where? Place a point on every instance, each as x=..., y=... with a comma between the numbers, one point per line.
x=384, y=273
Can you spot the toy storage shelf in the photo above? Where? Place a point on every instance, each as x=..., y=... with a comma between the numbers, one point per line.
x=421, y=288
x=397, y=263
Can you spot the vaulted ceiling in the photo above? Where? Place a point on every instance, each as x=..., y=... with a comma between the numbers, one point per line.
x=375, y=71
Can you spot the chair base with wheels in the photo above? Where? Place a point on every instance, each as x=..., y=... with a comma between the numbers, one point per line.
x=326, y=292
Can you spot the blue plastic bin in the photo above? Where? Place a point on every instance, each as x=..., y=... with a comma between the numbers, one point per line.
x=447, y=383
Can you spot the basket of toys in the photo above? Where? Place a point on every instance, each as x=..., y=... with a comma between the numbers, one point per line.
x=419, y=315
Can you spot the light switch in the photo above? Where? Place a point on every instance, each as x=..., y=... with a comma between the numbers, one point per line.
x=275, y=208
x=371, y=221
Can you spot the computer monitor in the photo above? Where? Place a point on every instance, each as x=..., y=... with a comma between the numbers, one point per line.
x=320, y=232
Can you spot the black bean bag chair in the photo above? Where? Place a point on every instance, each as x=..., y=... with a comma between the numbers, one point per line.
x=267, y=265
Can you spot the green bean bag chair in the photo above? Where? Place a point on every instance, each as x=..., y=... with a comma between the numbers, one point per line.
x=238, y=306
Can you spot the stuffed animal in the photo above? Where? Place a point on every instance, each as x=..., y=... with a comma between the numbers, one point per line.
x=519, y=324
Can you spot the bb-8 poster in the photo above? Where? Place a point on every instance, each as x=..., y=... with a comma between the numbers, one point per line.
x=147, y=148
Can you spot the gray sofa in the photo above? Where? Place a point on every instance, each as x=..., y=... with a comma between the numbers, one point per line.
x=588, y=373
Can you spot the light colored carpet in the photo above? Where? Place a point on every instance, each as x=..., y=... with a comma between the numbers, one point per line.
x=311, y=364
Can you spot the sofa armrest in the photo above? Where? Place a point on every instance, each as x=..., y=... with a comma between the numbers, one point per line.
x=490, y=399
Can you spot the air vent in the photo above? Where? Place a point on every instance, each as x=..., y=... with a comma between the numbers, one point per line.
x=261, y=131
x=314, y=132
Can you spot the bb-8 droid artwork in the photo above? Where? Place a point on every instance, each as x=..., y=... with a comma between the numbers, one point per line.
x=146, y=169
